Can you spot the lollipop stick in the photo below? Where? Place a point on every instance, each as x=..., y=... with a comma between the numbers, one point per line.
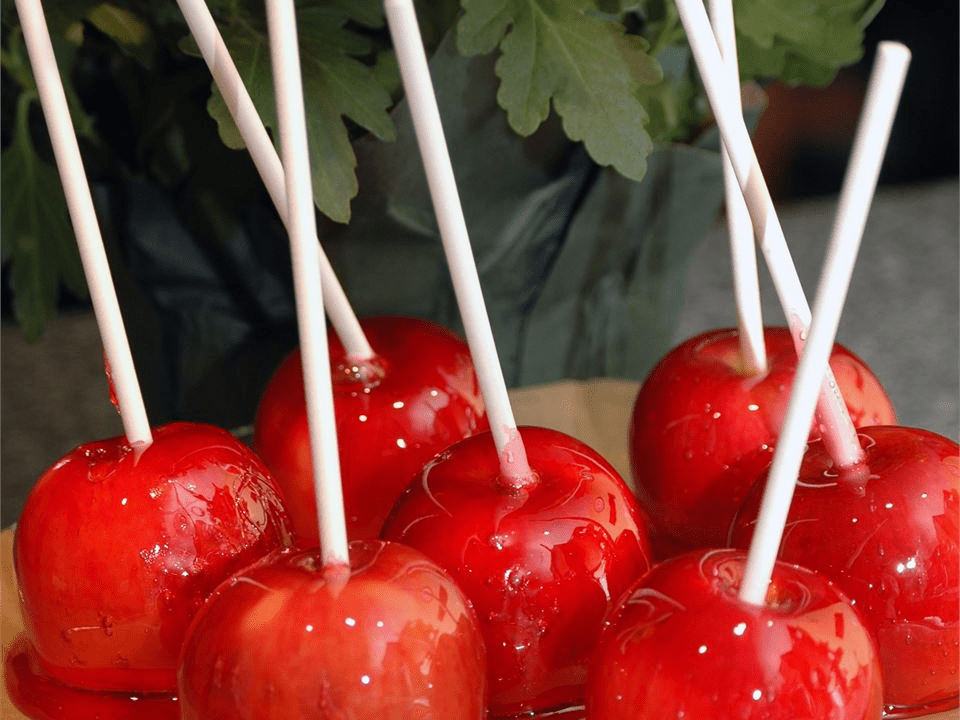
x=304, y=251
x=838, y=432
x=883, y=95
x=405, y=32
x=254, y=134
x=746, y=283
x=96, y=269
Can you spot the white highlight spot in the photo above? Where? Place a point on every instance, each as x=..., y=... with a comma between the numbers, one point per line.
x=398, y=404
x=350, y=622
x=365, y=679
x=740, y=629
x=362, y=418
x=911, y=563
x=702, y=649
x=309, y=628
x=753, y=407
x=757, y=694
x=888, y=506
x=401, y=443
x=123, y=502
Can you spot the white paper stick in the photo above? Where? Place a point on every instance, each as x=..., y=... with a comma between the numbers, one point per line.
x=883, y=95
x=304, y=250
x=837, y=430
x=96, y=269
x=743, y=252
x=254, y=134
x=418, y=87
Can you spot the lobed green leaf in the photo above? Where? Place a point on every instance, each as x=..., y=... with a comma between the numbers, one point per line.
x=561, y=52
x=336, y=85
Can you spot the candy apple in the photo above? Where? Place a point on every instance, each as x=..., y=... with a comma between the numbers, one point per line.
x=288, y=639
x=682, y=644
x=394, y=413
x=542, y=564
x=118, y=546
x=886, y=534
x=703, y=430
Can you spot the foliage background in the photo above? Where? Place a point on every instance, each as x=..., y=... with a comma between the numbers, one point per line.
x=583, y=198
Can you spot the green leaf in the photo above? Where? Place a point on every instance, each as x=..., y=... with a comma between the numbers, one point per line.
x=562, y=52
x=36, y=234
x=120, y=24
x=800, y=41
x=336, y=85
x=16, y=61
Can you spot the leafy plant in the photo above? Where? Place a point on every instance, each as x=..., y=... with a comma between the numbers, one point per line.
x=617, y=73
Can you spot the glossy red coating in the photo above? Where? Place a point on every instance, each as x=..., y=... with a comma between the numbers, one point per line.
x=419, y=395
x=702, y=430
x=887, y=535
x=40, y=697
x=117, y=547
x=286, y=639
x=683, y=645
x=541, y=565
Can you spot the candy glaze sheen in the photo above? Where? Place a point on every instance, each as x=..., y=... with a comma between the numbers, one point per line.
x=702, y=430
x=887, y=535
x=683, y=645
x=394, y=412
x=117, y=548
x=288, y=639
x=542, y=565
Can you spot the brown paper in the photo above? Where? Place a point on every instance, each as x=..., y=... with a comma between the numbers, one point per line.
x=595, y=412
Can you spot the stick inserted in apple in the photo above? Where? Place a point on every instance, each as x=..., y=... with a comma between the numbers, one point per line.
x=367, y=629
x=886, y=530
x=704, y=420
x=539, y=530
x=120, y=542
x=395, y=411
x=399, y=401
x=711, y=634
x=703, y=428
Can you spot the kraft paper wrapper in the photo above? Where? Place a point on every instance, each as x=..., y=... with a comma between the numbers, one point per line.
x=596, y=412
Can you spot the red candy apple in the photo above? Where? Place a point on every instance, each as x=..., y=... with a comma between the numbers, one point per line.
x=117, y=547
x=703, y=430
x=542, y=564
x=683, y=645
x=287, y=639
x=886, y=534
x=394, y=413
